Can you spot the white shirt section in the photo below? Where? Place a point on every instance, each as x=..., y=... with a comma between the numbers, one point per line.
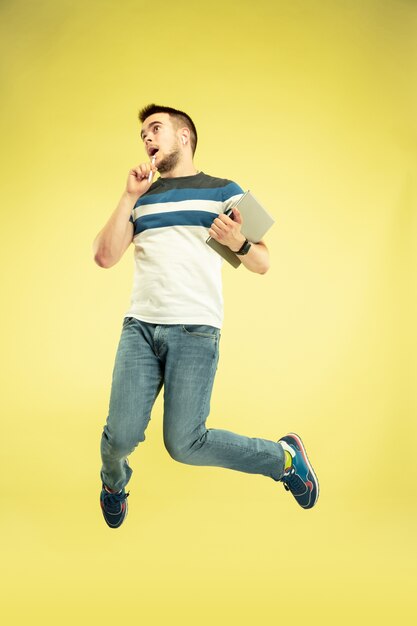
x=177, y=278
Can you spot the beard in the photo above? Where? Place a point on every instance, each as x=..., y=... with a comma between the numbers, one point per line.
x=170, y=161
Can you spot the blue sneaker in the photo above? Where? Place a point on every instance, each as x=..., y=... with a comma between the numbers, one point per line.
x=114, y=507
x=300, y=478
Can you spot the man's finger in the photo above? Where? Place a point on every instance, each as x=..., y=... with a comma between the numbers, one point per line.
x=225, y=218
x=238, y=217
x=221, y=221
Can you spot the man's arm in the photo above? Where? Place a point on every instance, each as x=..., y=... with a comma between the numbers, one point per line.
x=227, y=232
x=116, y=236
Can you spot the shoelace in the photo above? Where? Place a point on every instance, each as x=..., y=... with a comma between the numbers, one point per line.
x=113, y=500
x=292, y=482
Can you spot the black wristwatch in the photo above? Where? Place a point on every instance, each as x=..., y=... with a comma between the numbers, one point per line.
x=245, y=248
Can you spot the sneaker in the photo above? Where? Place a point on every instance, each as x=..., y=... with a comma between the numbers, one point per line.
x=114, y=507
x=300, y=478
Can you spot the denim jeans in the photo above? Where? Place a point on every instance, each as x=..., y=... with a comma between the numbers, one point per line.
x=183, y=359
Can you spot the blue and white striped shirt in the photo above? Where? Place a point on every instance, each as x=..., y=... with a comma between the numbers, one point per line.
x=177, y=277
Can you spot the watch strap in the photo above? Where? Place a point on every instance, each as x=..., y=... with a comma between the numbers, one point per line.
x=244, y=249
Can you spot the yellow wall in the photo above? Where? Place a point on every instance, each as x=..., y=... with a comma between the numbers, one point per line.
x=312, y=106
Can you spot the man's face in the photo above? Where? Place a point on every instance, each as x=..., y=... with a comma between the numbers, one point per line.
x=161, y=139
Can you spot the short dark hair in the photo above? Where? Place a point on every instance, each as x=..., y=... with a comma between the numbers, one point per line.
x=181, y=119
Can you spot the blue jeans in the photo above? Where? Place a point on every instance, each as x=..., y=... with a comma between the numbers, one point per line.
x=184, y=359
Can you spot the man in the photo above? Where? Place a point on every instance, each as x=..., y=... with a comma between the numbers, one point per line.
x=171, y=332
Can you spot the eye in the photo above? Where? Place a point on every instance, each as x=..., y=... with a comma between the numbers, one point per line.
x=156, y=127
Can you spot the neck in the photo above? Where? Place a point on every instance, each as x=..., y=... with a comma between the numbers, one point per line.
x=183, y=168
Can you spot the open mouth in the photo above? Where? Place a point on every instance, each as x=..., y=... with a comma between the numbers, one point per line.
x=153, y=151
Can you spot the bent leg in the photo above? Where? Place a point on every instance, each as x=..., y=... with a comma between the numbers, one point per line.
x=191, y=365
x=137, y=380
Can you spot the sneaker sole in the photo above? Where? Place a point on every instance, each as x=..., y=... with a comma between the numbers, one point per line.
x=304, y=453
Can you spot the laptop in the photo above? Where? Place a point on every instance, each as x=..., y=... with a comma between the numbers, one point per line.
x=256, y=222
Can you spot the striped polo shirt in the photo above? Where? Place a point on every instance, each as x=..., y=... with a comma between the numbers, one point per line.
x=177, y=276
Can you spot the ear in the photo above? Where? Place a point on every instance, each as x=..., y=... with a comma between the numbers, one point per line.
x=185, y=135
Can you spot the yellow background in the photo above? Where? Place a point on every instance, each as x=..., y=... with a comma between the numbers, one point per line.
x=312, y=106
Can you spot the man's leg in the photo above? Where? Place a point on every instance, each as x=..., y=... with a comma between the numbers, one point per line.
x=192, y=354
x=137, y=380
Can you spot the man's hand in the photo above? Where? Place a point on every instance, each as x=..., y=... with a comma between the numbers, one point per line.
x=137, y=181
x=227, y=231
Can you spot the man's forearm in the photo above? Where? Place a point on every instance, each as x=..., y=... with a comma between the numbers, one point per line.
x=107, y=246
x=257, y=259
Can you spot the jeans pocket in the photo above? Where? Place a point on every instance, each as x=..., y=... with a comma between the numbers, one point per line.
x=127, y=320
x=201, y=330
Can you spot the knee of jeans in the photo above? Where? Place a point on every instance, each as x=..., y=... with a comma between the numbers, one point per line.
x=176, y=449
x=181, y=448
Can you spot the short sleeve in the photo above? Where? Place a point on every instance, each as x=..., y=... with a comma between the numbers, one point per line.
x=232, y=192
x=132, y=213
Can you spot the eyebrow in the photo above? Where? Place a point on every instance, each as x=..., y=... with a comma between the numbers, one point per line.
x=150, y=126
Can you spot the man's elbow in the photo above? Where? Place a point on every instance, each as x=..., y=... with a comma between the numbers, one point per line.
x=264, y=267
x=102, y=261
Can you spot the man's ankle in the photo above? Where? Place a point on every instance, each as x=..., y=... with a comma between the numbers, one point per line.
x=110, y=490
